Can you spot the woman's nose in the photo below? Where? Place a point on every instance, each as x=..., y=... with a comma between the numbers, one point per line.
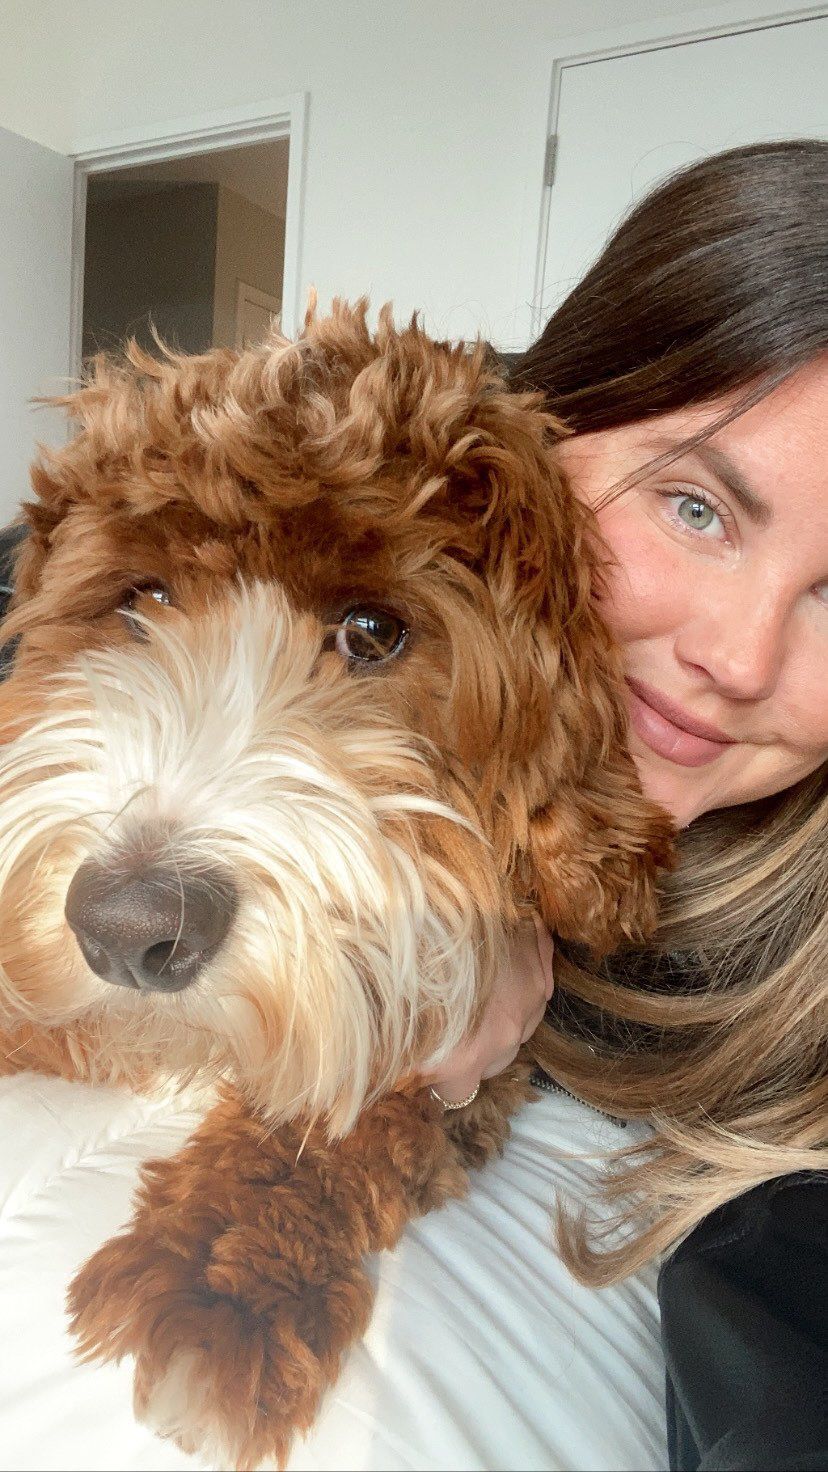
x=738, y=641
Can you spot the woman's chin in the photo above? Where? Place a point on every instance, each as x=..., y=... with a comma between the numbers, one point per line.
x=676, y=791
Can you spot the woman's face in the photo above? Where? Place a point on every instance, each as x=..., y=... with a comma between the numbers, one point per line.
x=718, y=593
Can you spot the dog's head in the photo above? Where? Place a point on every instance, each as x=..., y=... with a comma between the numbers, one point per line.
x=311, y=702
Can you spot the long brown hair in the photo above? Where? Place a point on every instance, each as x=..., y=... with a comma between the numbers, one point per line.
x=717, y=1032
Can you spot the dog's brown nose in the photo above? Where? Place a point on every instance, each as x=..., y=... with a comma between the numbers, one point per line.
x=152, y=930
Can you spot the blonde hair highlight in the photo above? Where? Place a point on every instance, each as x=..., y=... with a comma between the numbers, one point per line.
x=716, y=1033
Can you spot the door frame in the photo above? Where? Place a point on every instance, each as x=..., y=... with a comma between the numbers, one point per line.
x=706, y=24
x=260, y=122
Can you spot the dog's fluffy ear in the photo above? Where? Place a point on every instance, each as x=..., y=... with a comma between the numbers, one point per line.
x=596, y=852
x=588, y=847
x=595, y=844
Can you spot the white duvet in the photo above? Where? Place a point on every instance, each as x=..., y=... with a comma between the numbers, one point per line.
x=483, y=1353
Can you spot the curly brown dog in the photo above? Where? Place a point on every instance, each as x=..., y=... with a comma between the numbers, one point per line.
x=311, y=704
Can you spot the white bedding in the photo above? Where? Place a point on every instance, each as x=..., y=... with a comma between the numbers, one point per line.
x=482, y=1353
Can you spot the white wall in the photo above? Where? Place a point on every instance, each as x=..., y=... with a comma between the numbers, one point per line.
x=426, y=128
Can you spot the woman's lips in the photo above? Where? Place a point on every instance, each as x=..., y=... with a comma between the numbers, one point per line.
x=664, y=735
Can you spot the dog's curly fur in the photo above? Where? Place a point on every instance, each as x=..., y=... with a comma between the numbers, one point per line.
x=383, y=823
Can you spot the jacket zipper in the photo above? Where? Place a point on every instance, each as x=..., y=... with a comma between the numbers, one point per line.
x=539, y=1079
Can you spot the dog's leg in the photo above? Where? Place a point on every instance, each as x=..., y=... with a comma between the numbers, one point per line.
x=241, y=1281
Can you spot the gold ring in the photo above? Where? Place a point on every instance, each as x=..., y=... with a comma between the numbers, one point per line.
x=461, y=1103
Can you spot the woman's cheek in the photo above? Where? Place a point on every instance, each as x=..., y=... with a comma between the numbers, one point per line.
x=646, y=587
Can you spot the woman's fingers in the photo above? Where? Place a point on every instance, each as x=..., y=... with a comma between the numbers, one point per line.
x=513, y=1013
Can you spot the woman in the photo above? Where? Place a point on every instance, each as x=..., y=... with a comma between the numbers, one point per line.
x=692, y=365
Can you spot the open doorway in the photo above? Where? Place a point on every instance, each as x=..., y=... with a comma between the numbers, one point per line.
x=194, y=245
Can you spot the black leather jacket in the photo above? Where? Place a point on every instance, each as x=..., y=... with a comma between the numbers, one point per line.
x=744, y=1322
x=744, y=1309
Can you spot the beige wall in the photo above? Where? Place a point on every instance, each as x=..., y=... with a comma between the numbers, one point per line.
x=250, y=247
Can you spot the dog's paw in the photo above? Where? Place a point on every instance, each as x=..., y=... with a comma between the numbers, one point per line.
x=232, y=1353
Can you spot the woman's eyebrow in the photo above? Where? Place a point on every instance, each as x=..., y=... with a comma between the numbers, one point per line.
x=721, y=465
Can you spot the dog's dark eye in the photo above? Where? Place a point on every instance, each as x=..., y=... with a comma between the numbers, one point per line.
x=370, y=635
x=157, y=591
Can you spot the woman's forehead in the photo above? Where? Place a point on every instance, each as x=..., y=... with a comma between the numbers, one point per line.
x=780, y=438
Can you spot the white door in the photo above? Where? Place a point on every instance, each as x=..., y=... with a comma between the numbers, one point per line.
x=35, y=304
x=257, y=313
x=624, y=122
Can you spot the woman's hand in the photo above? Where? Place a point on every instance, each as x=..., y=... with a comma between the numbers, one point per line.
x=513, y=1012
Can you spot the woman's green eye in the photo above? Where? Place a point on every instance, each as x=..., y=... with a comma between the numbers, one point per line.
x=696, y=514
